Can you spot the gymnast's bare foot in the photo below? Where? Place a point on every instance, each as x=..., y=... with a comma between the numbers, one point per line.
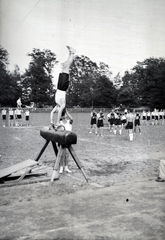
x=71, y=50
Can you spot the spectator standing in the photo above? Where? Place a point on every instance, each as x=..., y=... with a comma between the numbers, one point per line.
x=118, y=124
x=18, y=113
x=19, y=104
x=11, y=117
x=100, y=123
x=111, y=120
x=3, y=113
x=144, y=117
x=130, y=124
x=27, y=117
x=93, y=122
x=137, y=123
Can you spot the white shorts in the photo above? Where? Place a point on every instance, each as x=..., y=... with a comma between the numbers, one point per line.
x=60, y=96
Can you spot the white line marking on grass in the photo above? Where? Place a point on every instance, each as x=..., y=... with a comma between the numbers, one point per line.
x=26, y=127
x=102, y=128
x=98, y=222
x=94, y=150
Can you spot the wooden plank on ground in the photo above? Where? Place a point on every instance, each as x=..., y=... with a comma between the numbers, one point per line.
x=17, y=167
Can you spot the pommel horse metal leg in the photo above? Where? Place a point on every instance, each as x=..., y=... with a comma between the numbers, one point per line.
x=42, y=150
x=55, y=148
x=74, y=156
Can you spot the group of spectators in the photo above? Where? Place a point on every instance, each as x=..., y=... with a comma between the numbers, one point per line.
x=14, y=117
x=154, y=117
x=97, y=122
x=11, y=117
x=128, y=119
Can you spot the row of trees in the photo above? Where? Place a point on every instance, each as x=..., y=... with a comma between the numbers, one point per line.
x=91, y=84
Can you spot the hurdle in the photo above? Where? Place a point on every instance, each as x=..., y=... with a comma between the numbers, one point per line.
x=65, y=139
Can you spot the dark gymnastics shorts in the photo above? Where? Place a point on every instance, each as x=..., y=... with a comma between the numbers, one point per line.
x=148, y=118
x=156, y=117
x=11, y=117
x=93, y=121
x=100, y=123
x=4, y=117
x=129, y=125
x=144, y=118
x=111, y=121
x=137, y=122
x=123, y=121
x=117, y=122
x=19, y=116
x=63, y=81
x=27, y=118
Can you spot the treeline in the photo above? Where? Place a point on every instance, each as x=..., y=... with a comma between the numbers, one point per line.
x=91, y=84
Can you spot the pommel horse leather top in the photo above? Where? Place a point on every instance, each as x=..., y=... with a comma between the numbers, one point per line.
x=61, y=137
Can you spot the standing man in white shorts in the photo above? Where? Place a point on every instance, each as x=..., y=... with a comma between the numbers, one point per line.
x=62, y=86
x=19, y=104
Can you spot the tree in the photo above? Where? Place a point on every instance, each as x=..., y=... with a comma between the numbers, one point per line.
x=37, y=80
x=90, y=84
x=128, y=94
x=7, y=85
x=17, y=82
x=126, y=97
x=105, y=92
x=151, y=82
x=82, y=78
x=103, y=70
x=144, y=85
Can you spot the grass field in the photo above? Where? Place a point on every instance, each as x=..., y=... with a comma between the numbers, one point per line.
x=70, y=209
x=108, y=158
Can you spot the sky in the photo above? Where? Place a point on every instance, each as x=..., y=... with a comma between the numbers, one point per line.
x=116, y=32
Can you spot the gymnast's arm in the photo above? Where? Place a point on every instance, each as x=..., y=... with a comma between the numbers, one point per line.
x=69, y=116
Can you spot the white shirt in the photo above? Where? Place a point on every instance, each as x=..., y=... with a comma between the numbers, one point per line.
x=27, y=113
x=130, y=117
x=3, y=111
x=66, y=124
x=18, y=111
x=11, y=112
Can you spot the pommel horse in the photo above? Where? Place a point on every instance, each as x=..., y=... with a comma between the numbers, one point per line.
x=64, y=139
